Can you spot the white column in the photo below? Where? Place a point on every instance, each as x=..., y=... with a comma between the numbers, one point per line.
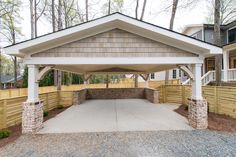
x=226, y=64
x=33, y=85
x=197, y=83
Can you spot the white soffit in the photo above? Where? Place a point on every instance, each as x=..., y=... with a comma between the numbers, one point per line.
x=106, y=23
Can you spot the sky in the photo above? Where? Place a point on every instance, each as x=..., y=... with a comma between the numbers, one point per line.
x=154, y=14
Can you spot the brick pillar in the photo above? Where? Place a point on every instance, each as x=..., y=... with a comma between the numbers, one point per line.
x=32, y=117
x=197, y=113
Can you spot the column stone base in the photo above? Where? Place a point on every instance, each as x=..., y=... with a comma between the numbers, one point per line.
x=32, y=117
x=197, y=113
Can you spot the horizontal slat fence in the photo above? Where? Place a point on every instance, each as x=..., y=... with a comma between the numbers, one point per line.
x=220, y=100
x=9, y=93
x=11, y=108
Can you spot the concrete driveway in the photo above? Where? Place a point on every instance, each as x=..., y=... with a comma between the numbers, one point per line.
x=116, y=115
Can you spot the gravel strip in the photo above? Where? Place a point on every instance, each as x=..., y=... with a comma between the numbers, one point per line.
x=131, y=144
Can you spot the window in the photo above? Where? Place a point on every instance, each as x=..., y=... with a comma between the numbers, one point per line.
x=232, y=35
x=152, y=76
x=179, y=73
x=174, y=74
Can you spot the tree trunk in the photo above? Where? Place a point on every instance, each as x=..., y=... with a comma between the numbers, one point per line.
x=0, y=66
x=86, y=9
x=53, y=16
x=15, y=72
x=35, y=19
x=217, y=41
x=59, y=80
x=143, y=10
x=59, y=25
x=174, y=8
x=59, y=73
x=107, y=81
x=32, y=18
x=109, y=7
x=136, y=9
x=173, y=12
x=55, y=77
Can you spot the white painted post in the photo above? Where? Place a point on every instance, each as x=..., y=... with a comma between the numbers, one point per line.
x=33, y=85
x=226, y=65
x=197, y=83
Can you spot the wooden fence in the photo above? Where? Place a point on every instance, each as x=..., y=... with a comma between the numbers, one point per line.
x=11, y=108
x=9, y=93
x=220, y=100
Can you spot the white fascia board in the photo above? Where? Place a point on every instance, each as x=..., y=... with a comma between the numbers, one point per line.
x=16, y=49
x=212, y=49
x=112, y=60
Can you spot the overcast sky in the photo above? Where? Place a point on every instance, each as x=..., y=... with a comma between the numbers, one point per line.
x=194, y=15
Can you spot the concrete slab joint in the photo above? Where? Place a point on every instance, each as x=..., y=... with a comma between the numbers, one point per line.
x=32, y=117
x=197, y=113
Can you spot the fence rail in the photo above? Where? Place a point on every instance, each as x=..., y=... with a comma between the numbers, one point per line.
x=9, y=93
x=221, y=99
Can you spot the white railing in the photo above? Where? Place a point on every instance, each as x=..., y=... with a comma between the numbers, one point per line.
x=232, y=75
x=186, y=82
x=208, y=77
x=211, y=76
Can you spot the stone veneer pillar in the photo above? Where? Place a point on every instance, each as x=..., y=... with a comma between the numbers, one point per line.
x=32, y=117
x=197, y=113
x=197, y=106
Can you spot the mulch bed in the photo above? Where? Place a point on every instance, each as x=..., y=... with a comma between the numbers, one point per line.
x=16, y=130
x=216, y=122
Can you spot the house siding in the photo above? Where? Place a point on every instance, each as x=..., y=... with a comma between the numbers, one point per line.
x=115, y=43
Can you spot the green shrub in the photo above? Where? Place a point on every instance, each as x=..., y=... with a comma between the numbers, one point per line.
x=60, y=107
x=45, y=113
x=4, y=133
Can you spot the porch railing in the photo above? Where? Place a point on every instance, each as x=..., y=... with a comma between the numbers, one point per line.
x=211, y=76
x=208, y=77
x=232, y=74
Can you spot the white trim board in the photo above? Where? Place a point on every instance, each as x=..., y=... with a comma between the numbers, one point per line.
x=112, y=60
x=110, y=22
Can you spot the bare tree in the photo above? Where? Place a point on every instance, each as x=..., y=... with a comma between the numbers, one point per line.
x=217, y=41
x=143, y=9
x=10, y=30
x=227, y=11
x=136, y=9
x=173, y=13
x=86, y=9
x=59, y=21
x=109, y=7
x=53, y=16
x=32, y=18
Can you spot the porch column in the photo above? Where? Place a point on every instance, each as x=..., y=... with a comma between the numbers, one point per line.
x=197, y=106
x=32, y=115
x=226, y=65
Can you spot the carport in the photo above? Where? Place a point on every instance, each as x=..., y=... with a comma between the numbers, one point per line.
x=112, y=44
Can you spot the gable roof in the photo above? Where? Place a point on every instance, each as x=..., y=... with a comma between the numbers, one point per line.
x=105, y=23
